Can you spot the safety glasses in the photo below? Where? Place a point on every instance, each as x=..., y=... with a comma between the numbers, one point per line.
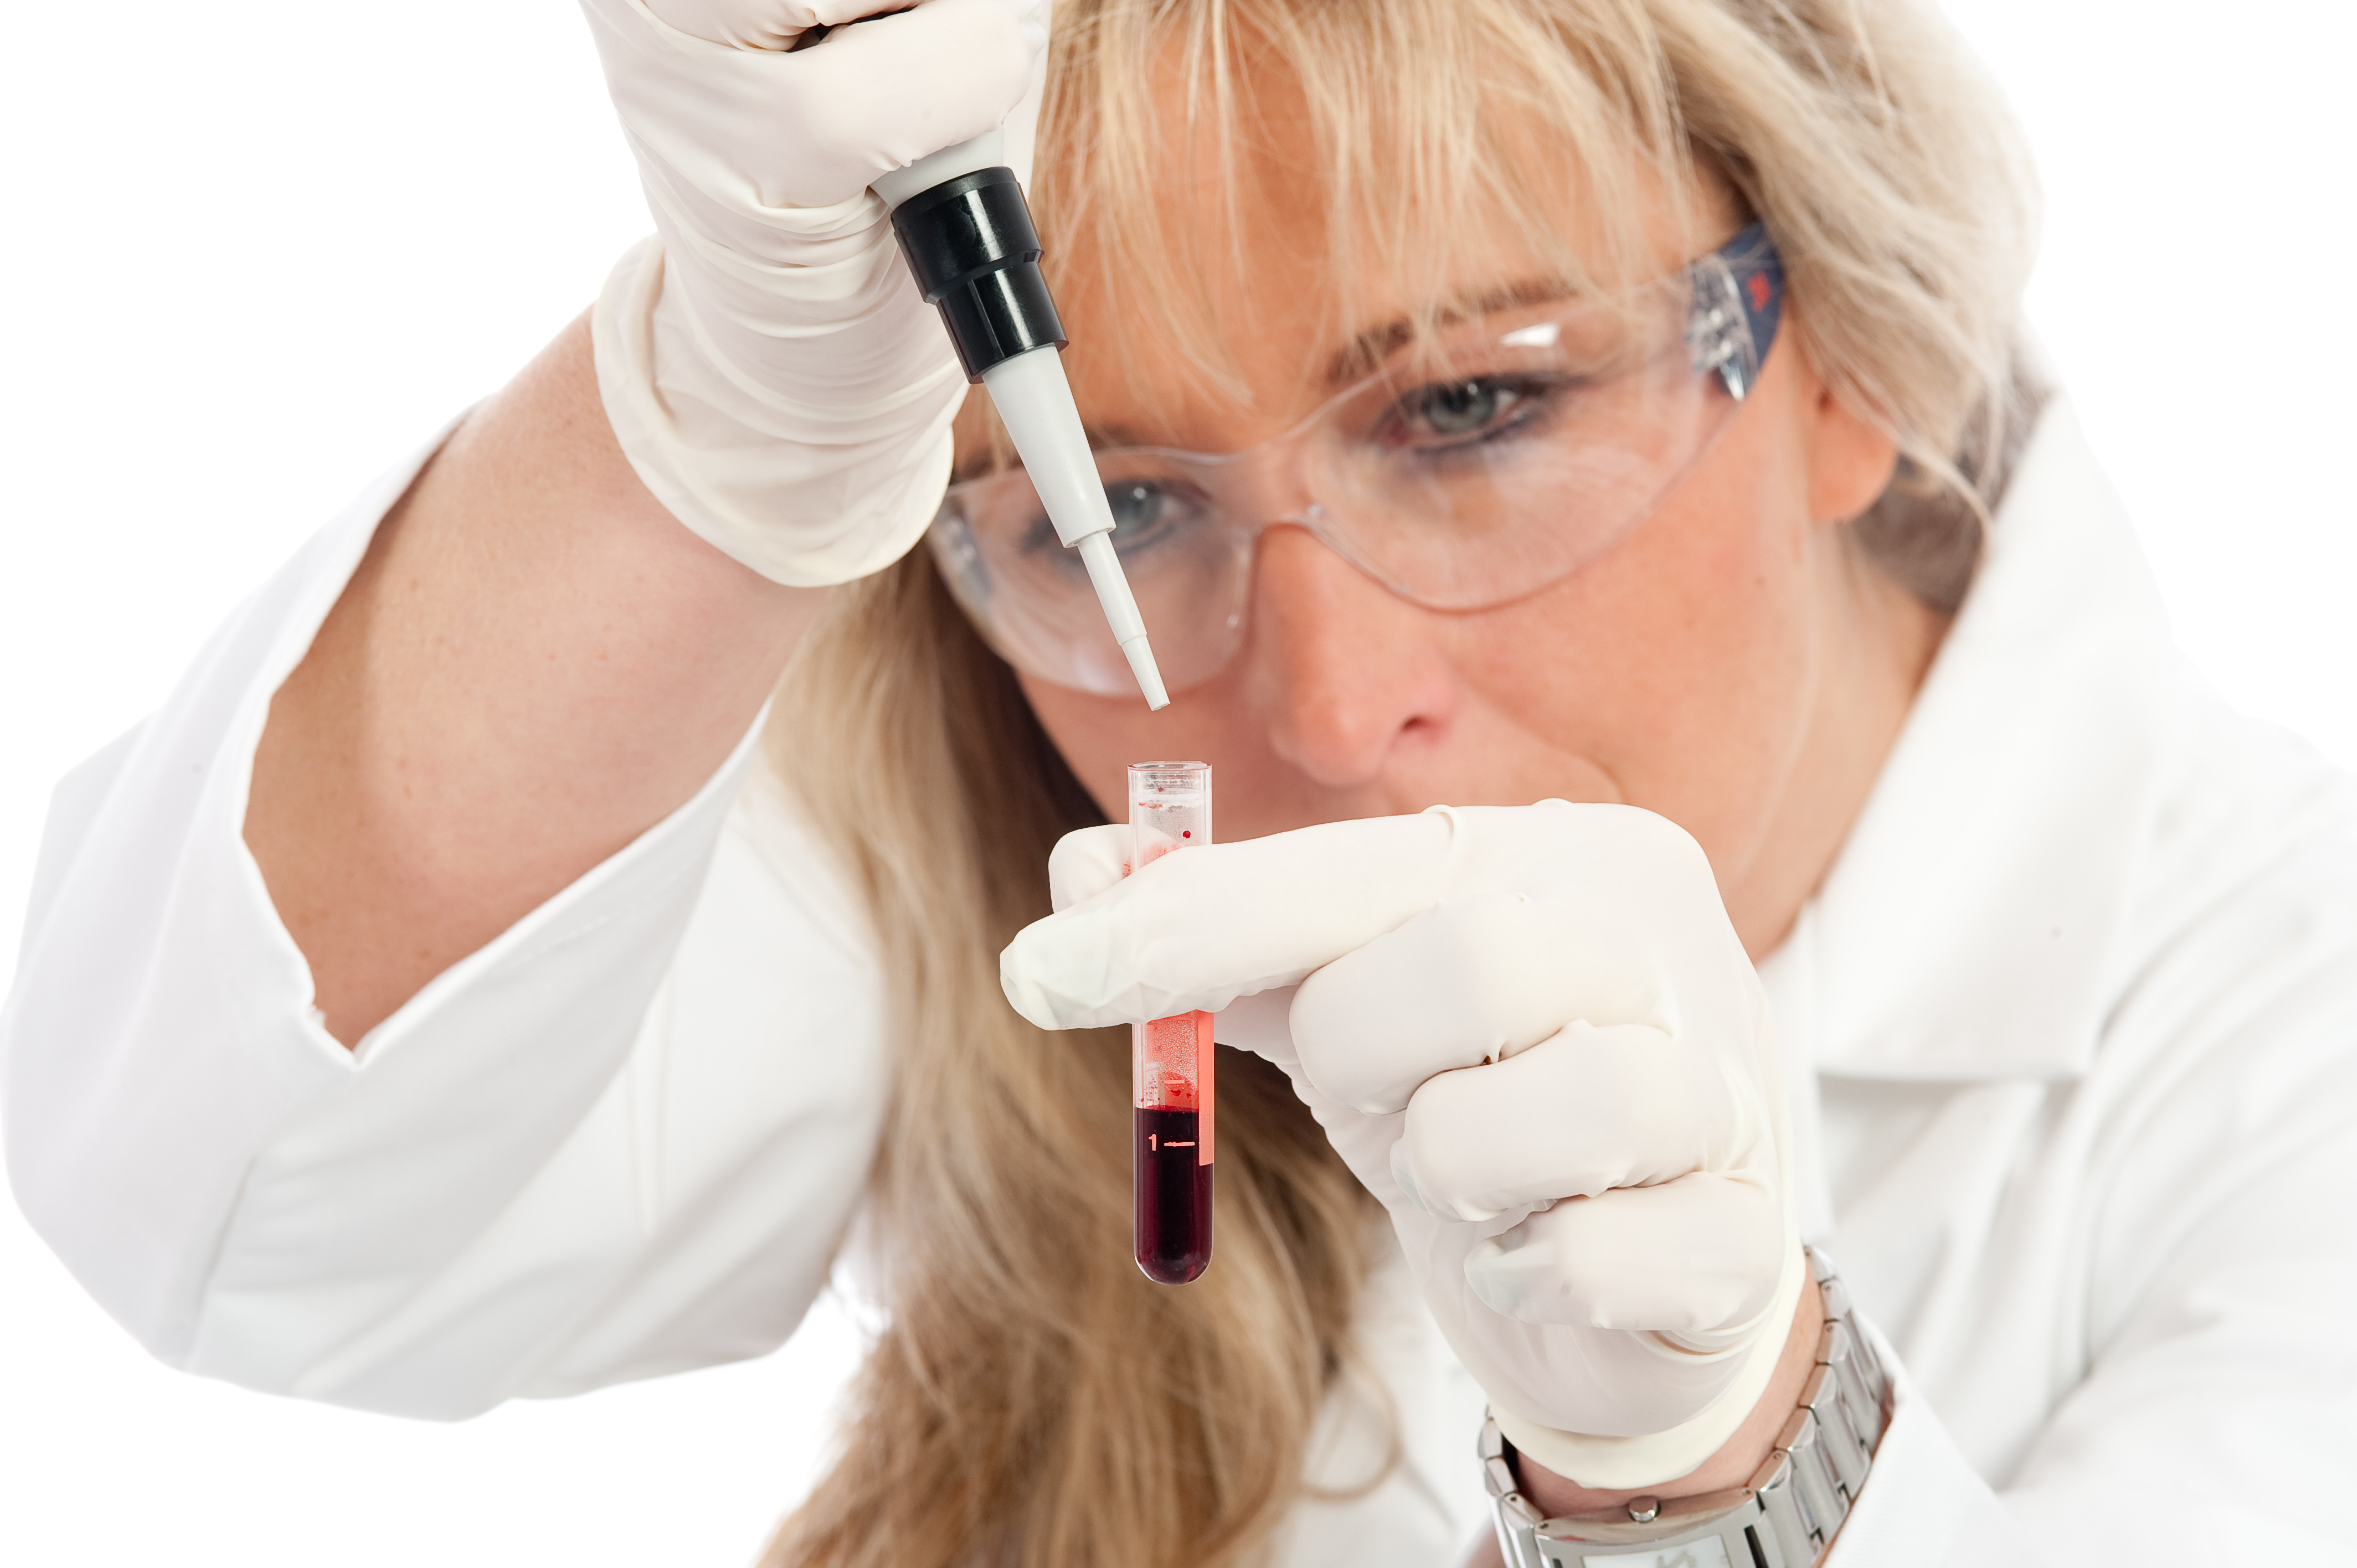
x=1494, y=462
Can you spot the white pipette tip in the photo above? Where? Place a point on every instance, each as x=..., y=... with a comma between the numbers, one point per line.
x=1120, y=611
x=1149, y=678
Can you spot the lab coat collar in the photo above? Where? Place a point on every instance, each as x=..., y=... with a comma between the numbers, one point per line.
x=1966, y=930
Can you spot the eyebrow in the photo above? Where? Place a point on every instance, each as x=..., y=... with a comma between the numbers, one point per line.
x=1366, y=352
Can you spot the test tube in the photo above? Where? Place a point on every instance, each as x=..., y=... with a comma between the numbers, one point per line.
x=1170, y=1059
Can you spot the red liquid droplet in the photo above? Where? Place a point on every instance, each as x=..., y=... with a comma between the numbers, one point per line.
x=1174, y=1198
x=1186, y=832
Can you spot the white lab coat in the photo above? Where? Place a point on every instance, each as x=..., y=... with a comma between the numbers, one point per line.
x=2072, y=1022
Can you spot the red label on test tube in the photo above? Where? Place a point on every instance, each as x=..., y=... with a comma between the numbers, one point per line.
x=1170, y=1059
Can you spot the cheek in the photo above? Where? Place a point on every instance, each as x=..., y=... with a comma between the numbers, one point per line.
x=1680, y=662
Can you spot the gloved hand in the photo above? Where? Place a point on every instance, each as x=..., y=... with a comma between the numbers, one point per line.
x=765, y=360
x=1533, y=1034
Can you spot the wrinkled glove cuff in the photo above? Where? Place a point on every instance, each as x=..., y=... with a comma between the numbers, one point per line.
x=1613, y=1464
x=759, y=483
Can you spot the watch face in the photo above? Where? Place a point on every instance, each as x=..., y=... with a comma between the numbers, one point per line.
x=1709, y=1552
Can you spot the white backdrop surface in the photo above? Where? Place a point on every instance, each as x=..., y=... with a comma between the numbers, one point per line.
x=255, y=252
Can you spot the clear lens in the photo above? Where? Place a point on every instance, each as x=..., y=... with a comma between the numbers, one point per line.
x=1518, y=461
x=1507, y=456
x=1030, y=597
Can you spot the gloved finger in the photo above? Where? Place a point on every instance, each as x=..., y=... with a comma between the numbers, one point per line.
x=901, y=87
x=812, y=127
x=766, y=24
x=1213, y=924
x=1200, y=929
x=1475, y=978
x=1577, y=1115
x=776, y=25
x=753, y=24
x=1691, y=1257
x=1086, y=862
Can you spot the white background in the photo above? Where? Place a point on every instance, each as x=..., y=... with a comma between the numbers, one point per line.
x=255, y=252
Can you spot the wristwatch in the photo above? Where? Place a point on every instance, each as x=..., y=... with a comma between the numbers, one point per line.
x=1784, y=1516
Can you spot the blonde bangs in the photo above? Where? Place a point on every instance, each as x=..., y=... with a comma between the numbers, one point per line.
x=1414, y=127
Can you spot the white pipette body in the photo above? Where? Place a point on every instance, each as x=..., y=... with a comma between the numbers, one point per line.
x=1035, y=401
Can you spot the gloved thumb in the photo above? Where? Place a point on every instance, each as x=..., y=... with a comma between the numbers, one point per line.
x=1086, y=863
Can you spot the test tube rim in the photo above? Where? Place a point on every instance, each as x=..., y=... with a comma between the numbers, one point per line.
x=1162, y=786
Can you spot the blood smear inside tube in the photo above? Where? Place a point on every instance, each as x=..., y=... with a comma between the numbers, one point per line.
x=1171, y=810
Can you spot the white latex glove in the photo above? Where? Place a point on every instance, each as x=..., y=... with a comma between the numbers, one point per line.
x=1533, y=1034
x=765, y=360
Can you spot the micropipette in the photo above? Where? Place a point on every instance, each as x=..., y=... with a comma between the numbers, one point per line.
x=966, y=233
x=1170, y=1059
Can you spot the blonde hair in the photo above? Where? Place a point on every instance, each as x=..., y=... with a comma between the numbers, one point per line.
x=1032, y=1400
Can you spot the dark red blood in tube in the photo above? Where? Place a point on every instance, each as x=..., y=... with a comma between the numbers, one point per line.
x=1174, y=1196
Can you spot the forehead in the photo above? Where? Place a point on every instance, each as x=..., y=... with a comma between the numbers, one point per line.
x=1243, y=268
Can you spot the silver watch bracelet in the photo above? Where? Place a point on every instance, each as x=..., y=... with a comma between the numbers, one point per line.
x=1784, y=1516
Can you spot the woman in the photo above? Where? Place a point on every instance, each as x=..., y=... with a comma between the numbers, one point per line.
x=652, y=992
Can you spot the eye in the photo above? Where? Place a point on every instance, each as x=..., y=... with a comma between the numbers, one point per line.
x=1150, y=513
x=1446, y=416
x=1464, y=408
x=1137, y=507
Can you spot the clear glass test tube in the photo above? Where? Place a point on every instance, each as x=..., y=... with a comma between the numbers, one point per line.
x=1170, y=1059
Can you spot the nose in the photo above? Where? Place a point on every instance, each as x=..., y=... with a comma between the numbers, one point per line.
x=1345, y=673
